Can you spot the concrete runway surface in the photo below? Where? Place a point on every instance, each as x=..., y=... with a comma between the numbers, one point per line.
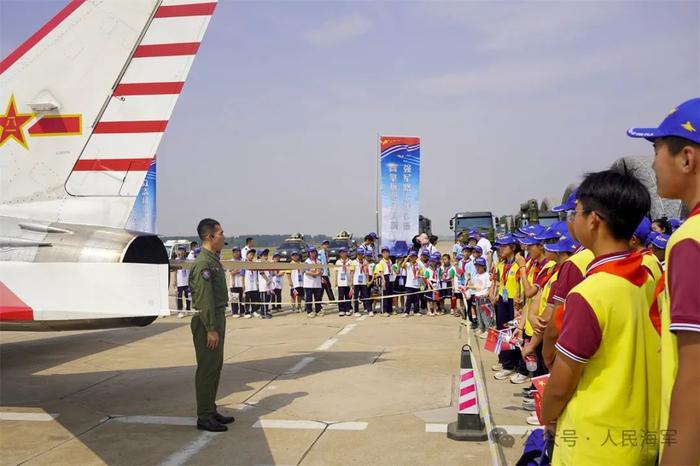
x=325, y=391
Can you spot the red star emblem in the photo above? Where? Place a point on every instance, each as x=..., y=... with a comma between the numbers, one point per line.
x=11, y=124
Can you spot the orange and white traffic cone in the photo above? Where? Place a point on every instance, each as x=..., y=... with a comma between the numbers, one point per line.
x=469, y=425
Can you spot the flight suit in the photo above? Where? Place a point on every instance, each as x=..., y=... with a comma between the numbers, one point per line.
x=210, y=297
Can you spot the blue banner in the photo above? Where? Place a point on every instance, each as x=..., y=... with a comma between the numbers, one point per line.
x=143, y=214
x=399, y=182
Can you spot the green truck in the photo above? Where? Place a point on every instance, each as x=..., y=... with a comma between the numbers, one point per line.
x=467, y=221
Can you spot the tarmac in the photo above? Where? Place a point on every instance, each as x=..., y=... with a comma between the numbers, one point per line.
x=326, y=391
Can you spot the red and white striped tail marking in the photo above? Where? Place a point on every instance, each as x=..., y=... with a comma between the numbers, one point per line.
x=125, y=140
x=468, y=403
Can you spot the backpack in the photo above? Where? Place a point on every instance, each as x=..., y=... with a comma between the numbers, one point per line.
x=538, y=449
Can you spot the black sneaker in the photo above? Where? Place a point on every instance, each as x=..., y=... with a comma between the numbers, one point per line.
x=221, y=419
x=211, y=425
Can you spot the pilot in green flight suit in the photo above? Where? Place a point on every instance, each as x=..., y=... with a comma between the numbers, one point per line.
x=210, y=297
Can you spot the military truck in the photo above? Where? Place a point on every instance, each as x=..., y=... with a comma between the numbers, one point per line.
x=467, y=221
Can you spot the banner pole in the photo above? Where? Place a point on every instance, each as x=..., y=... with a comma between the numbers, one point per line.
x=378, y=185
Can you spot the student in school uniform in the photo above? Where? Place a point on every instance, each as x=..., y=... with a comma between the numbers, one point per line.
x=677, y=168
x=385, y=277
x=414, y=278
x=265, y=284
x=478, y=287
x=182, y=277
x=423, y=258
x=236, y=289
x=313, y=291
x=469, y=272
x=344, y=280
x=430, y=274
x=360, y=277
x=658, y=248
x=459, y=284
x=277, y=280
x=325, y=274
x=296, y=282
x=605, y=375
x=251, y=287
x=399, y=281
x=444, y=282
x=639, y=243
x=374, y=286
x=508, y=293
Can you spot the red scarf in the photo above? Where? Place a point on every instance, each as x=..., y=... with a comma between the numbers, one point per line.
x=626, y=265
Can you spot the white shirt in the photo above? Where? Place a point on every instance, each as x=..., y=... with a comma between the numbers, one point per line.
x=277, y=279
x=482, y=282
x=183, y=277
x=265, y=281
x=244, y=251
x=251, y=280
x=485, y=246
x=414, y=274
x=237, y=276
x=297, y=277
x=362, y=272
x=431, y=249
x=309, y=280
x=343, y=272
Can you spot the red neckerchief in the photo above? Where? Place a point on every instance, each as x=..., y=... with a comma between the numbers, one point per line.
x=627, y=265
x=654, y=311
x=528, y=265
x=414, y=268
x=506, y=269
x=345, y=267
x=695, y=211
x=549, y=273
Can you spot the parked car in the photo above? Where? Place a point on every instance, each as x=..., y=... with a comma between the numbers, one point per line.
x=293, y=244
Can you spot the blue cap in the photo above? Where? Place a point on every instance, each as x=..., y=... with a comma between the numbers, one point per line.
x=660, y=241
x=385, y=248
x=506, y=240
x=518, y=235
x=235, y=248
x=360, y=251
x=459, y=257
x=565, y=244
x=643, y=230
x=652, y=235
x=530, y=240
x=276, y=254
x=570, y=204
x=372, y=234
x=675, y=223
x=424, y=252
x=483, y=235
x=560, y=228
x=197, y=250
x=549, y=233
x=182, y=247
x=473, y=232
x=311, y=249
x=413, y=253
x=435, y=256
x=480, y=261
x=343, y=249
x=468, y=248
x=294, y=252
x=478, y=249
x=683, y=122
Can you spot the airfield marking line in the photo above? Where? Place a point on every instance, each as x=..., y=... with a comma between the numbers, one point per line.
x=300, y=365
x=347, y=329
x=327, y=344
x=181, y=457
x=287, y=424
x=436, y=428
x=308, y=425
x=16, y=416
x=163, y=420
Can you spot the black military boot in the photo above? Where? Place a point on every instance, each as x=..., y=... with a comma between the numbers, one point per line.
x=211, y=425
x=221, y=419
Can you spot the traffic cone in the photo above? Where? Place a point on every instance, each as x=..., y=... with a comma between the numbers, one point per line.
x=469, y=425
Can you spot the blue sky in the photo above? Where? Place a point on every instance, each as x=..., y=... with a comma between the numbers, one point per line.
x=276, y=128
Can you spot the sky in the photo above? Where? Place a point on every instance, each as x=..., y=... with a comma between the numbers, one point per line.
x=276, y=129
